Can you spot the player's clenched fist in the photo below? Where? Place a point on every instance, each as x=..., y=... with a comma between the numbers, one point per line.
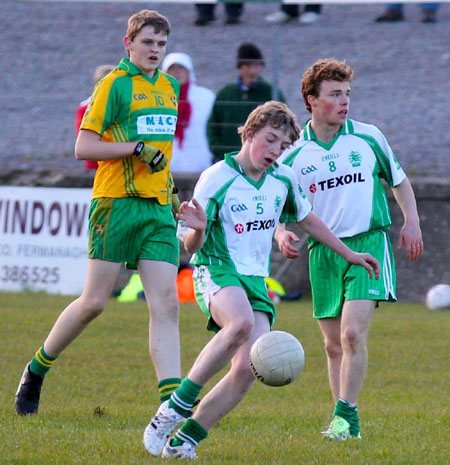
x=151, y=156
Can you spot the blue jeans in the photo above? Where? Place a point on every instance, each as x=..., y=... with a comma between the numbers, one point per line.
x=424, y=6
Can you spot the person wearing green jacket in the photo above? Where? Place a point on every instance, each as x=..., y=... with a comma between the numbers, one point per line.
x=237, y=100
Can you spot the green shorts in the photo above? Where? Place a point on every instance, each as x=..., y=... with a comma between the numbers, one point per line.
x=210, y=279
x=129, y=229
x=333, y=280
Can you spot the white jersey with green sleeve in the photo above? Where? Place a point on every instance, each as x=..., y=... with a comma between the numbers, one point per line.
x=342, y=179
x=243, y=215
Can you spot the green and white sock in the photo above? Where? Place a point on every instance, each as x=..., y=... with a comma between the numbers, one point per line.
x=191, y=432
x=349, y=412
x=184, y=397
x=41, y=362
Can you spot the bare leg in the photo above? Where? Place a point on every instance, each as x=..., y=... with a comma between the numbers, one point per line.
x=356, y=317
x=233, y=387
x=159, y=281
x=346, y=347
x=100, y=279
x=231, y=310
x=331, y=330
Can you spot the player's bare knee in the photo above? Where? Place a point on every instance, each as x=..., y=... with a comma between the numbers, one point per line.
x=92, y=308
x=168, y=295
x=171, y=311
x=244, y=329
x=164, y=311
x=352, y=339
x=240, y=331
x=164, y=305
x=333, y=349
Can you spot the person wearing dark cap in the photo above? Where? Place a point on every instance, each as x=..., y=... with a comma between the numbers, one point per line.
x=205, y=13
x=236, y=100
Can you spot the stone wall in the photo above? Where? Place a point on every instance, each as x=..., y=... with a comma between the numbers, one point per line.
x=414, y=278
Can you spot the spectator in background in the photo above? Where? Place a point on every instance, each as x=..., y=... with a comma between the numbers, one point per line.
x=289, y=12
x=205, y=13
x=394, y=13
x=99, y=74
x=235, y=101
x=190, y=149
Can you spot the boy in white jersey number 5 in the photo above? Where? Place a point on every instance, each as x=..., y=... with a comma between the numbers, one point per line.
x=229, y=226
x=339, y=164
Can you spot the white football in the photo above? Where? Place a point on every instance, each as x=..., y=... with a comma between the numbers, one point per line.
x=438, y=297
x=277, y=358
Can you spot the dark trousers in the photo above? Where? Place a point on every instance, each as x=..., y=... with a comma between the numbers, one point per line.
x=206, y=10
x=293, y=10
x=424, y=6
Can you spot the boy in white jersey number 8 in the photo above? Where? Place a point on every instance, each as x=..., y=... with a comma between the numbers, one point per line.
x=229, y=226
x=339, y=164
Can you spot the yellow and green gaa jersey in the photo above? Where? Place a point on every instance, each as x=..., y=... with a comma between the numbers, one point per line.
x=129, y=106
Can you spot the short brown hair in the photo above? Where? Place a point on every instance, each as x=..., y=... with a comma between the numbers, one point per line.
x=327, y=69
x=277, y=114
x=147, y=18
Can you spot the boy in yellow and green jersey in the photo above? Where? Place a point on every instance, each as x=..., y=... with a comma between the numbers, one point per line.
x=130, y=106
x=128, y=128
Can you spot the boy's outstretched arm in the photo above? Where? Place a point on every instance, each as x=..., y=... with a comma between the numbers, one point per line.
x=193, y=217
x=410, y=234
x=316, y=228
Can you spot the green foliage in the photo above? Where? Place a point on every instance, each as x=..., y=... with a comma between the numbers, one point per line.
x=98, y=398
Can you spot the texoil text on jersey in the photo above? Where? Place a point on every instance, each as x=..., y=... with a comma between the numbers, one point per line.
x=260, y=225
x=337, y=181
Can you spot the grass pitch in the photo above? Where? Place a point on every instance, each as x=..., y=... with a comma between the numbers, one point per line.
x=98, y=398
